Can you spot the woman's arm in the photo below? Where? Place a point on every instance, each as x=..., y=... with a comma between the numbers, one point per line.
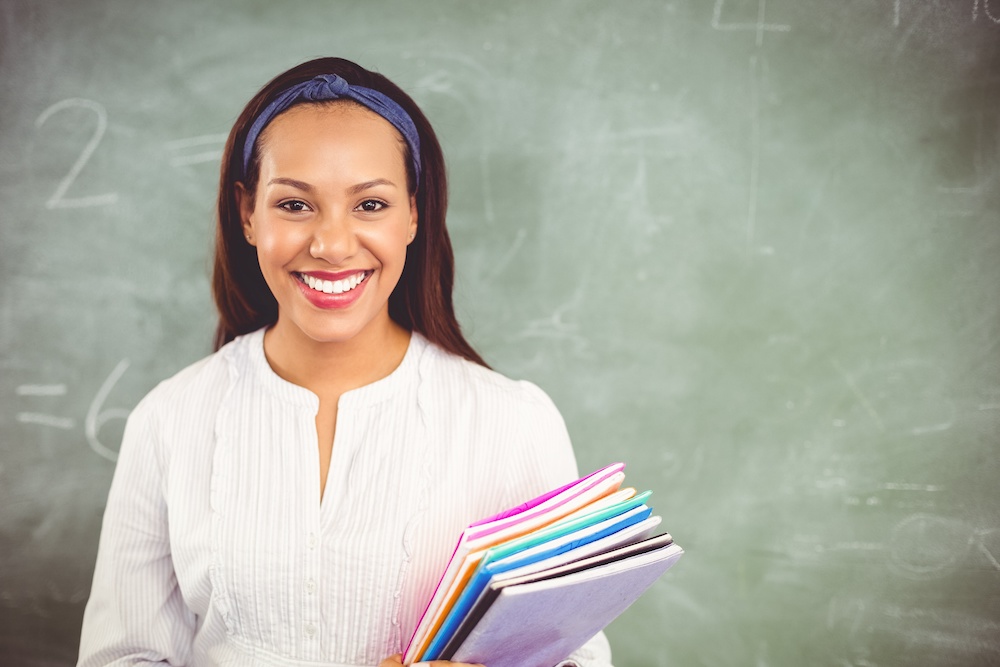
x=136, y=615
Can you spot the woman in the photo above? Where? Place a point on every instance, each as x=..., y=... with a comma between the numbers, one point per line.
x=292, y=499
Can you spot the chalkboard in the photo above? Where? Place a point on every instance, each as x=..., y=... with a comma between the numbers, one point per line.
x=750, y=248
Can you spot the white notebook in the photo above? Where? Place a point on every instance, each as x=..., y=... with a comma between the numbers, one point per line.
x=539, y=623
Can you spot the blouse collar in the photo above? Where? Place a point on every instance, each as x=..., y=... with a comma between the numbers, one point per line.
x=251, y=347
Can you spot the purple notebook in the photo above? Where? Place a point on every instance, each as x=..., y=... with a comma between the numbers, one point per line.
x=540, y=622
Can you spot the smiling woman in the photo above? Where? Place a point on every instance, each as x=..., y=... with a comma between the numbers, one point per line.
x=331, y=220
x=291, y=499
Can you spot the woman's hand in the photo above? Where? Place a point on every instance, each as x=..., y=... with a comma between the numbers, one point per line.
x=397, y=661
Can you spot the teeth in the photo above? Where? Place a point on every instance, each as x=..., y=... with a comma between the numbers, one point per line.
x=333, y=286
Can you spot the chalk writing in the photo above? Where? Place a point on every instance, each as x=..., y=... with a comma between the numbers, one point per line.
x=58, y=198
x=869, y=408
x=199, y=144
x=755, y=150
x=97, y=416
x=555, y=327
x=895, y=13
x=978, y=536
x=41, y=419
x=986, y=11
x=45, y=420
x=760, y=26
x=41, y=390
x=903, y=486
x=925, y=546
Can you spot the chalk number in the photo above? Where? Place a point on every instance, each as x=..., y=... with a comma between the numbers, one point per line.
x=97, y=414
x=59, y=198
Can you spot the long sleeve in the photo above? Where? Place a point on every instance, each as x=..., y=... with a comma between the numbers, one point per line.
x=136, y=615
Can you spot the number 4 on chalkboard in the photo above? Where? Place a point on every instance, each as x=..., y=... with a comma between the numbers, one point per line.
x=58, y=198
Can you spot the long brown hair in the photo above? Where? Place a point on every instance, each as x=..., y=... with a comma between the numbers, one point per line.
x=421, y=301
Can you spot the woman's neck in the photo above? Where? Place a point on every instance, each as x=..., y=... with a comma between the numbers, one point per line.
x=332, y=368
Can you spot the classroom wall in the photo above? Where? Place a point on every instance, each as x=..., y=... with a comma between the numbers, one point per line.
x=751, y=249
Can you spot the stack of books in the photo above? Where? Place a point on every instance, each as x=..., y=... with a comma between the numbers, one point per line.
x=531, y=585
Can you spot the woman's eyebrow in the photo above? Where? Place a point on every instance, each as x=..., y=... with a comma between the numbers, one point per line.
x=301, y=185
x=367, y=185
x=354, y=189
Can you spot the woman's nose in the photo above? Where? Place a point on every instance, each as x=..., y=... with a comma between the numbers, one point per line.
x=334, y=239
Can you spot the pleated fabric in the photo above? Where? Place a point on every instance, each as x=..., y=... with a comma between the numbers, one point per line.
x=217, y=548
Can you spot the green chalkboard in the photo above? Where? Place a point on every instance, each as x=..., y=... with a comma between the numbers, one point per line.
x=750, y=248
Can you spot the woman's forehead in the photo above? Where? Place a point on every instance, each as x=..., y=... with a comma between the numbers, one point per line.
x=331, y=129
x=332, y=117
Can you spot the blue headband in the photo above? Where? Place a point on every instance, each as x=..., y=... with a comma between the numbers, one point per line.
x=331, y=87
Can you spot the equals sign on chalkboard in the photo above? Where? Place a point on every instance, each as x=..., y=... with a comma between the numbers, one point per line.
x=43, y=419
x=196, y=150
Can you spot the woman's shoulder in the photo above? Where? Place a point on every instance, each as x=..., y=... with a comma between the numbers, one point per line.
x=463, y=381
x=517, y=434
x=202, y=381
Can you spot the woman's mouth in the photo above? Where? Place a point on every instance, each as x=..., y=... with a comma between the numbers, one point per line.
x=333, y=286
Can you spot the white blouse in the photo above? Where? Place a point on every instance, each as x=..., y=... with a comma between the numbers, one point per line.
x=216, y=548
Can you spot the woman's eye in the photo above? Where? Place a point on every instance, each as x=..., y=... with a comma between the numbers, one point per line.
x=293, y=206
x=371, y=205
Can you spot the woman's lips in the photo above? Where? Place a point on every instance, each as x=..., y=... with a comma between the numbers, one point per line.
x=333, y=290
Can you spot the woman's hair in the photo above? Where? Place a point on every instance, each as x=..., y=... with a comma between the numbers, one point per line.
x=421, y=301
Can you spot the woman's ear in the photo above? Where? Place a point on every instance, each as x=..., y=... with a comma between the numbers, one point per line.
x=412, y=231
x=245, y=203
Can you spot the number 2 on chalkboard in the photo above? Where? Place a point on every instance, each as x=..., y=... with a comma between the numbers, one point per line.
x=58, y=198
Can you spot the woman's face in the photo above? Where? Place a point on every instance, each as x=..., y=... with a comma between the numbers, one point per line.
x=331, y=219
